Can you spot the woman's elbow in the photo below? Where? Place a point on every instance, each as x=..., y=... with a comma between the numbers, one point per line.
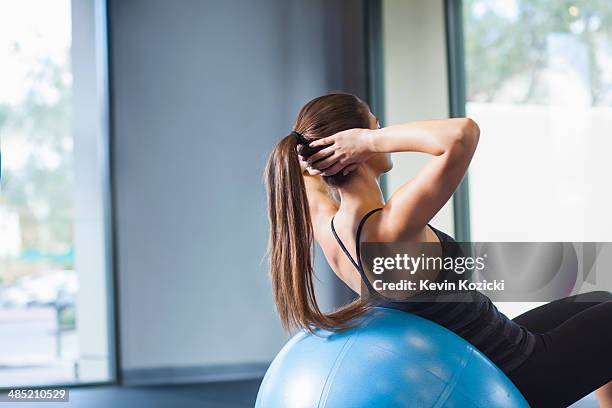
x=465, y=140
x=470, y=131
x=468, y=134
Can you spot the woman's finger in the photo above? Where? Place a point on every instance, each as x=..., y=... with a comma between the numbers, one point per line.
x=324, y=141
x=324, y=163
x=333, y=169
x=321, y=154
x=313, y=172
x=303, y=162
x=350, y=168
x=304, y=166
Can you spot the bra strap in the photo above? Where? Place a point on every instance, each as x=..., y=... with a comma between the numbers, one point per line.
x=356, y=263
x=346, y=252
x=358, y=236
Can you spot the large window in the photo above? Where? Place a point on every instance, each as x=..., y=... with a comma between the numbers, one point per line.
x=41, y=335
x=539, y=83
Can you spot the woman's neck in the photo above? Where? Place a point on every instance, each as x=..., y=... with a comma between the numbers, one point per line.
x=361, y=194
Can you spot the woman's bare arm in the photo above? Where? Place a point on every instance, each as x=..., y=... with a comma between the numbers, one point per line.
x=451, y=142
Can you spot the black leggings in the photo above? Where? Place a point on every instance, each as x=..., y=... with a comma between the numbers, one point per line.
x=573, y=351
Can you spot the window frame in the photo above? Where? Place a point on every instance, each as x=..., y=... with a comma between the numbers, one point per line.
x=453, y=13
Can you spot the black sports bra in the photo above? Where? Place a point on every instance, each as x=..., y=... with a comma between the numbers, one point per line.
x=475, y=318
x=442, y=237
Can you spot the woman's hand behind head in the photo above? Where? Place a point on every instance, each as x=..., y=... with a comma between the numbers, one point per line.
x=343, y=151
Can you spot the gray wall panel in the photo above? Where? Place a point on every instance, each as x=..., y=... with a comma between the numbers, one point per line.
x=200, y=92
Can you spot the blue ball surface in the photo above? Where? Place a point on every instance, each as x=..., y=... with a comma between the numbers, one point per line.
x=390, y=359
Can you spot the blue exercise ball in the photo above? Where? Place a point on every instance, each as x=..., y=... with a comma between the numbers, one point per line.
x=390, y=359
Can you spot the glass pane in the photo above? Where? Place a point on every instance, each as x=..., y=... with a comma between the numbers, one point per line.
x=539, y=83
x=38, y=284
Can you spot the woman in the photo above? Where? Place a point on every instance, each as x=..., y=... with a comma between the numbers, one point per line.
x=323, y=182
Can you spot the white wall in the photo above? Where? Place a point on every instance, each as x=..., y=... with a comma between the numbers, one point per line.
x=415, y=80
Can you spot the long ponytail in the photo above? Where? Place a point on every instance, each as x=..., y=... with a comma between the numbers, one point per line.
x=291, y=246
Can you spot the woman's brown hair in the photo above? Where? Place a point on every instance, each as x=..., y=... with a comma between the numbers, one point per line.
x=291, y=236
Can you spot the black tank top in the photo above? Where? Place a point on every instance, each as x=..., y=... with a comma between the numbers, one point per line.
x=475, y=317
